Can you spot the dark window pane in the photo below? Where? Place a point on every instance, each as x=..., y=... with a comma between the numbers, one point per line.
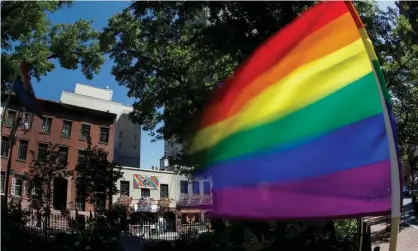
x=124, y=187
x=4, y=146
x=26, y=121
x=42, y=149
x=80, y=200
x=164, y=191
x=23, y=150
x=66, y=129
x=145, y=193
x=184, y=185
x=10, y=118
x=3, y=178
x=104, y=135
x=46, y=125
x=18, y=185
x=196, y=189
x=85, y=132
x=206, y=188
x=62, y=159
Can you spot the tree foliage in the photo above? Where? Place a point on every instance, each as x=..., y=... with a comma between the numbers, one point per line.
x=46, y=167
x=96, y=177
x=26, y=32
x=170, y=56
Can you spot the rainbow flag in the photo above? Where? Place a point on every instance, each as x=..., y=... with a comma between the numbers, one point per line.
x=302, y=128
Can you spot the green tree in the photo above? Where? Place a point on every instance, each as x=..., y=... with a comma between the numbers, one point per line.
x=96, y=177
x=46, y=167
x=409, y=9
x=26, y=32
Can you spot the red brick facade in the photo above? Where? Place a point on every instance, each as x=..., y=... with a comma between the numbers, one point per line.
x=58, y=113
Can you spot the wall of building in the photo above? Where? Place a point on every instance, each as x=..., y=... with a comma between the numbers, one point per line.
x=127, y=135
x=34, y=136
x=164, y=177
x=172, y=148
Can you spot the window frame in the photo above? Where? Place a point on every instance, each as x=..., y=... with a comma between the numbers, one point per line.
x=161, y=191
x=184, y=185
x=46, y=119
x=60, y=155
x=2, y=181
x=193, y=187
x=4, y=146
x=19, y=151
x=80, y=201
x=79, y=154
x=38, y=151
x=124, y=182
x=149, y=193
x=15, y=180
x=27, y=117
x=8, y=121
x=206, y=184
x=106, y=132
x=83, y=131
x=66, y=123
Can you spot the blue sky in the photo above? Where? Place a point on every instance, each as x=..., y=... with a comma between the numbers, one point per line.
x=50, y=86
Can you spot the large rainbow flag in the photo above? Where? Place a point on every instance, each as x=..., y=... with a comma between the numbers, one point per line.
x=303, y=128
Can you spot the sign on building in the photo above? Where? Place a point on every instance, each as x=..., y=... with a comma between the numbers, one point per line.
x=143, y=181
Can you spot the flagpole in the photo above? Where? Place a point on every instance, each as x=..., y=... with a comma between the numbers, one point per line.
x=360, y=223
x=12, y=141
x=394, y=173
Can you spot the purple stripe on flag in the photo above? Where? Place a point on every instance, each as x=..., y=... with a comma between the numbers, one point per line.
x=332, y=195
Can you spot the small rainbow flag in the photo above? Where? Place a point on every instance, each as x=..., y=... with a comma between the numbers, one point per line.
x=142, y=181
x=302, y=129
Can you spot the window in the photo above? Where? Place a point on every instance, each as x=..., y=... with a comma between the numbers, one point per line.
x=66, y=129
x=145, y=193
x=124, y=187
x=120, y=145
x=62, y=158
x=134, y=147
x=85, y=132
x=26, y=121
x=120, y=135
x=135, y=137
x=164, y=190
x=17, y=185
x=10, y=118
x=3, y=178
x=42, y=149
x=104, y=135
x=184, y=187
x=4, y=146
x=196, y=188
x=23, y=149
x=206, y=187
x=81, y=156
x=80, y=200
x=46, y=125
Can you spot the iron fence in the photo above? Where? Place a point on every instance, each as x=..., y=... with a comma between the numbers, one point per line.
x=50, y=225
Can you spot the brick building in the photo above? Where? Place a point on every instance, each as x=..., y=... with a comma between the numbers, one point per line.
x=62, y=125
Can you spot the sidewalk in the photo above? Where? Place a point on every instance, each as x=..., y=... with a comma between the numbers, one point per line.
x=407, y=237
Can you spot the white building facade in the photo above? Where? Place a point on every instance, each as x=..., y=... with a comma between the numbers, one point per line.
x=127, y=134
x=148, y=187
